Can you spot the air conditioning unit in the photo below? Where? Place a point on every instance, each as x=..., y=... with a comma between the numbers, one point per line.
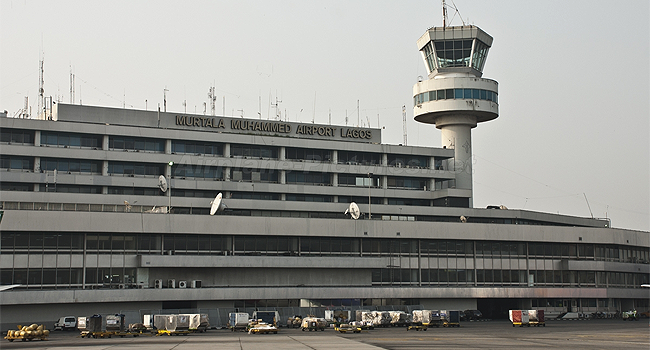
x=158, y=284
x=171, y=283
x=196, y=284
x=182, y=284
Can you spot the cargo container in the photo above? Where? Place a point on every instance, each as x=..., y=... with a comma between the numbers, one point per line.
x=519, y=317
x=115, y=323
x=238, y=320
x=340, y=316
x=313, y=324
x=450, y=318
x=536, y=318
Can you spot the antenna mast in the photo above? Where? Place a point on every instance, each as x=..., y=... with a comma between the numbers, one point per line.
x=213, y=100
x=165, y=99
x=41, y=90
x=404, y=122
x=444, y=14
x=71, y=86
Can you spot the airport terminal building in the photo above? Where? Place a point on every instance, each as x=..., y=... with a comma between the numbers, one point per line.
x=87, y=229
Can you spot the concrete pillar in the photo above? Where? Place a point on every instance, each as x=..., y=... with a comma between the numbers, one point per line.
x=168, y=146
x=283, y=153
x=335, y=179
x=37, y=138
x=105, y=168
x=384, y=182
x=105, y=142
x=335, y=156
x=37, y=164
x=226, y=150
x=384, y=159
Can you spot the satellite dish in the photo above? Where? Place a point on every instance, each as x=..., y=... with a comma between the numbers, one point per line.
x=503, y=207
x=216, y=204
x=162, y=183
x=463, y=218
x=353, y=210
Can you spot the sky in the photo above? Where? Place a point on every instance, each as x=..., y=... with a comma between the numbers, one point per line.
x=572, y=136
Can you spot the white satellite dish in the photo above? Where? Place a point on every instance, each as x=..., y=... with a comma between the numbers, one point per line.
x=353, y=210
x=216, y=204
x=162, y=183
x=463, y=218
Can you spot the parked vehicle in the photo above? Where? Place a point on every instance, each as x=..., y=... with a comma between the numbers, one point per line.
x=471, y=315
x=269, y=317
x=65, y=323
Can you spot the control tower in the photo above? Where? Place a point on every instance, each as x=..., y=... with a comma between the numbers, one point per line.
x=455, y=97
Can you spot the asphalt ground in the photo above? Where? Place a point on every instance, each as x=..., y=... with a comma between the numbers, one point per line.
x=574, y=335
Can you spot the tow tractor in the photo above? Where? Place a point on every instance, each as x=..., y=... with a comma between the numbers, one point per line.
x=344, y=328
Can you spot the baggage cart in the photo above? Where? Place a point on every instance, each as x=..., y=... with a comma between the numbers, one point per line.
x=536, y=318
x=519, y=318
x=451, y=318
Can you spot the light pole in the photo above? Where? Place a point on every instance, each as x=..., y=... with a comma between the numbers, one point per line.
x=369, y=200
x=169, y=190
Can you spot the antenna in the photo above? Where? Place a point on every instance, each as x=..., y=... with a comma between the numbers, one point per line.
x=41, y=90
x=276, y=105
x=353, y=210
x=162, y=183
x=165, y=99
x=588, y=206
x=404, y=122
x=444, y=14
x=217, y=205
x=213, y=99
x=71, y=86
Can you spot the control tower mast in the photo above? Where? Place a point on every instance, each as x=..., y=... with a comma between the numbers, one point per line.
x=455, y=98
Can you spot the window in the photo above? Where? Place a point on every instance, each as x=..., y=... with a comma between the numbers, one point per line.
x=132, y=169
x=261, y=152
x=71, y=165
x=210, y=148
x=64, y=139
x=308, y=178
x=364, y=158
x=17, y=163
x=139, y=144
x=309, y=155
x=253, y=175
x=17, y=136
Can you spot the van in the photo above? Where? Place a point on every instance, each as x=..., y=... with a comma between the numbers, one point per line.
x=65, y=323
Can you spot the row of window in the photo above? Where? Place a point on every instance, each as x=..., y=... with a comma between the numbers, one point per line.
x=455, y=53
x=65, y=276
x=317, y=246
x=489, y=277
x=455, y=94
x=142, y=144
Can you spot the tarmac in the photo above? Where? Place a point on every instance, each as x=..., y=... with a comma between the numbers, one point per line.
x=498, y=334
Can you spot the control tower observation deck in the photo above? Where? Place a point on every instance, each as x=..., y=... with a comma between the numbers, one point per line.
x=455, y=97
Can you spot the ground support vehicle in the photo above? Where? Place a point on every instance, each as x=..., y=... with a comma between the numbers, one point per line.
x=65, y=323
x=110, y=334
x=166, y=332
x=363, y=325
x=313, y=324
x=256, y=327
x=268, y=317
x=450, y=318
x=630, y=316
x=417, y=327
x=28, y=333
x=294, y=321
x=345, y=328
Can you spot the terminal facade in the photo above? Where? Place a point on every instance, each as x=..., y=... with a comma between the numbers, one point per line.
x=86, y=228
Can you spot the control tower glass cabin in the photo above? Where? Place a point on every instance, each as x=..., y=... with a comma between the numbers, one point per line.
x=455, y=97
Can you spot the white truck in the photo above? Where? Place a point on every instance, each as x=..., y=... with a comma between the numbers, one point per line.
x=65, y=323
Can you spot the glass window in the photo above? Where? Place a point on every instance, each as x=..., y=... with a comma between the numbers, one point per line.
x=458, y=93
x=441, y=94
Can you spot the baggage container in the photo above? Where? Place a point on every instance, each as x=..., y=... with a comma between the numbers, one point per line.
x=159, y=322
x=182, y=322
x=171, y=322
x=238, y=320
x=536, y=318
x=519, y=317
x=313, y=324
x=115, y=323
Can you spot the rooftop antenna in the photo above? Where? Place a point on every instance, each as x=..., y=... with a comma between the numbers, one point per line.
x=71, y=86
x=165, y=99
x=358, y=114
x=41, y=84
x=276, y=105
x=185, y=106
x=313, y=117
x=404, y=122
x=213, y=99
x=330, y=116
x=444, y=14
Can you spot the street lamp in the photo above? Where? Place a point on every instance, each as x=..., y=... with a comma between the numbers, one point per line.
x=169, y=190
x=369, y=200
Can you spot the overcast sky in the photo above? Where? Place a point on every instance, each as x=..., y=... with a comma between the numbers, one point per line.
x=573, y=79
